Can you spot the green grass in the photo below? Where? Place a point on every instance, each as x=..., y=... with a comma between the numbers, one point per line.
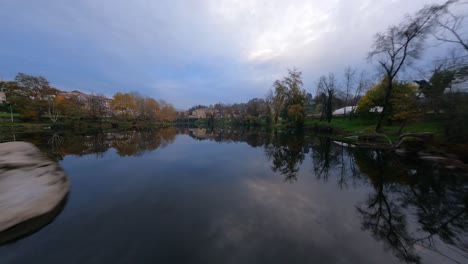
x=7, y=115
x=346, y=125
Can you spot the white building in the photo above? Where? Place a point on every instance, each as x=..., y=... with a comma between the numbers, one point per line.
x=344, y=111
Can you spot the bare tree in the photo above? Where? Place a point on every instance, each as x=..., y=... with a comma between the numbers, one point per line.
x=327, y=86
x=363, y=84
x=52, y=112
x=450, y=30
x=399, y=45
x=349, y=74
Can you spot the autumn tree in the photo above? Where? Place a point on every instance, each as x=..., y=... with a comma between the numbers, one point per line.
x=152, y=109
x=124, y=106
x=399, y=45
x=402, y=106
x=70, y=106
x=289, y=98
x=168, y=112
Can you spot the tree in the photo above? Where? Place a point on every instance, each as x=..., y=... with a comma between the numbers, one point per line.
x=52, y=113
x=71, y=106
x=96, y=107
x=349, y=74
x=168, y=112
x=39, y=87
x=327, y=89
x=402, y=105
x=31, y=95
x=450, y=28
x=433, y=89
x=256, y=107
x=275, y=101
x=399, y=45
x=123, y=105
x=288, y=98
x=363, y=84
x=152, y=108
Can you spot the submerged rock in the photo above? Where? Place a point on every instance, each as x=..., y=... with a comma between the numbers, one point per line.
x=31, y=188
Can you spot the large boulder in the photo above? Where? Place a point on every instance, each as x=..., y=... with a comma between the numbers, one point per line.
x=31, y=187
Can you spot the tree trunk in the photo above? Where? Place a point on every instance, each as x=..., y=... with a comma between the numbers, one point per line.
x=11, y=113
x=403, y=124
x=329, y=107
x=378, y=128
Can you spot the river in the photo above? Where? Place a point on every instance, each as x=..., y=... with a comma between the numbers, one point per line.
x=242, y=196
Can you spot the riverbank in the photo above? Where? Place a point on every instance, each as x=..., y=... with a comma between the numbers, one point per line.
x=361, y=127
x=362, y=132
x=77, y=125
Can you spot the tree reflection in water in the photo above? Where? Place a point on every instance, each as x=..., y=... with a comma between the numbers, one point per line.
x=286, y=153
x=411, y=205
x=126, y=142
x=381, y=216
x=432, y=200
x=137, y=142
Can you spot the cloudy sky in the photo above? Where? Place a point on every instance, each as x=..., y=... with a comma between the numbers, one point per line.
x=189, y=52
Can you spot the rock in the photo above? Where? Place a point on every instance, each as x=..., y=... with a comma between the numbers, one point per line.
x=344, y=144
x=409, y=144
x=427, y=137
x=31, y=186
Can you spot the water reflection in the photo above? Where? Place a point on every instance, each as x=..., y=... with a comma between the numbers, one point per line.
x=411, y=207
x=382, y=215
x=135, y=143
x=286, y=153
x=125, y=142
x=434, y=198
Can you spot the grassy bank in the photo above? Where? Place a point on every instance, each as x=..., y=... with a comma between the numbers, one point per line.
x=77, y=125
x=357, y=127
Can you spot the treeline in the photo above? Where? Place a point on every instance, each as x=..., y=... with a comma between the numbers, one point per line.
x=435, y=91
x=34, y=99
x=132, y=106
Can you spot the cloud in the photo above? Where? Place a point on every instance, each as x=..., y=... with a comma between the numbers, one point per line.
x=214, y=50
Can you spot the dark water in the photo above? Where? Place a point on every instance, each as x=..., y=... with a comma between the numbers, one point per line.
x=180, y=196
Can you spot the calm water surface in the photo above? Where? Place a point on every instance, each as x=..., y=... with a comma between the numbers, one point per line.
x=197, y=196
